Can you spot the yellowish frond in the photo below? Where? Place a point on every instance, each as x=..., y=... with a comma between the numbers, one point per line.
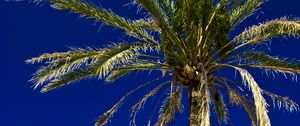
x=284, y=102
x=141, y=103
x=102, y=120
x=238, y=99
x=171, y=106
x=260, y=102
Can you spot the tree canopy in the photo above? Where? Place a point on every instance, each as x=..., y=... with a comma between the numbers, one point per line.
x=188, y=41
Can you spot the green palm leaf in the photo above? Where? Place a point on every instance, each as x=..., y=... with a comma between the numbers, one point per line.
x=260, y=33
x=106, y=16
x=275, y=28
x=239, y=13
x=137, y=66
x=61, y=64
x=264, y=61
x=70, y=77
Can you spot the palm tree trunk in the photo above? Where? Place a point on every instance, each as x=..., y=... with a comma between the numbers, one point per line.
x=199, y=111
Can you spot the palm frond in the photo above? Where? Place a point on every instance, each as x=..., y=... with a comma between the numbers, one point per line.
x=264, y=61
x=238, y=99
x=239, y=13
x=93, y=69
x=106, y=59
x=171, y=106
x=233, y=5
x=70, y=77
x=74, y=52
x=61, y=63
x=149, y=23
x=116, y=74
x=102, y=120
x=157, y=105
x=167, y=6
x=260, y=102
x=141, y=103
x=284, y=102
x=274, y=28
x=153, y=7
x=235, y=98
x=119, y=55
x=219, y=106
x=137, y=65
x=146, y=65
x=108, y=17
x=257, y=34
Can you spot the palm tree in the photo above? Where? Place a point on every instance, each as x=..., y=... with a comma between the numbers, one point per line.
x=188, y=40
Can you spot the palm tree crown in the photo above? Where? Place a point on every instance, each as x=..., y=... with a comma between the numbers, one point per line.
x=193, y=45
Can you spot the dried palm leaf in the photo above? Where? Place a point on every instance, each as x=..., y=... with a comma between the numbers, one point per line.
x=284, y=102
x=102, y=120
x=171, y=106
x=260, y=102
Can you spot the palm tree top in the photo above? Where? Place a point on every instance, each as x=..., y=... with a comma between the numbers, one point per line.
x=188, y=41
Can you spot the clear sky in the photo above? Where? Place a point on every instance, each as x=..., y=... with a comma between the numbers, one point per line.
x=27, y=30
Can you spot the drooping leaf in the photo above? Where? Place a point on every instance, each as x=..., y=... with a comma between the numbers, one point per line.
x=275, y=28
x=140, y=104
x=284, y=102
x=171, y=106
x=264, y=61
x=102, y=120
x=260, y=103
x=219, y=106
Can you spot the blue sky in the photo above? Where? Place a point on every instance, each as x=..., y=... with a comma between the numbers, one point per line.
x=28, y=30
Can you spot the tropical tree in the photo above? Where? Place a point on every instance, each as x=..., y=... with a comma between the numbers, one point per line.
x=188, y=40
